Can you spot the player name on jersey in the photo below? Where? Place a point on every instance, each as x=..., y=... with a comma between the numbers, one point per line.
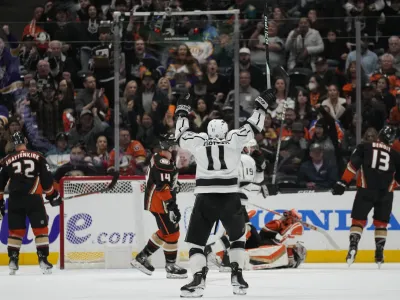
x=22, y=155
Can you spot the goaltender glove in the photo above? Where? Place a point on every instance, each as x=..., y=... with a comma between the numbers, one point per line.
x=2, y=209
x=54, y=199
x=183, y=108
x=173, y=212
x=339, y=188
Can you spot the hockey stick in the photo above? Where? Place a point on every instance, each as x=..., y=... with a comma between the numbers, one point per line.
x=307, y=225
x=109, y=187
x=266, y=36
x=278, y=148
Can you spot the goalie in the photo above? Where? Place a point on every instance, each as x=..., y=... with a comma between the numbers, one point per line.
x=276, y=245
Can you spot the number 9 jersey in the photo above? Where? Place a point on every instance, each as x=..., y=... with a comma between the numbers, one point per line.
x=161, y=179
x=375, y=165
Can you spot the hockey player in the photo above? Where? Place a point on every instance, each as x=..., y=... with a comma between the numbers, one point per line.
x=29, y=177
x=160, y=200
x=217, y=154
x=377, y=168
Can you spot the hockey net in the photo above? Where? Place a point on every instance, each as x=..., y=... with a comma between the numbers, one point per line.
x=90, y=224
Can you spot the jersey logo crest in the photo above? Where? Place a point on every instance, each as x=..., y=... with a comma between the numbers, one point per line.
x=164, y=161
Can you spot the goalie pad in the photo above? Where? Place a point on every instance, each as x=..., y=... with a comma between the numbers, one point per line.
x=266, y=257
x=292, y=234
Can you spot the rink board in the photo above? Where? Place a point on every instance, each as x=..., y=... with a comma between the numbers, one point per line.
x=95, y=222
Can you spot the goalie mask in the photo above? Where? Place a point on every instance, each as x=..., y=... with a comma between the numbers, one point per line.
x=217, y=129
x=250, y=147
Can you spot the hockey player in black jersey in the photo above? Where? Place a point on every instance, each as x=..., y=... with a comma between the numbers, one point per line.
x=160, y=200
x=377, y=169
x=217, y=154
x=29, y=177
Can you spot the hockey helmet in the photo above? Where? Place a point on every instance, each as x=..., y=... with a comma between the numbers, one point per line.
x=387, y=135
x=18, y=138
x=217, y=129
x=292, y=215
x=167, y=142
x=250, y=147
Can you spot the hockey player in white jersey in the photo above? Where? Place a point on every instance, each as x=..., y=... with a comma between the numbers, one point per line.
x=217, y=154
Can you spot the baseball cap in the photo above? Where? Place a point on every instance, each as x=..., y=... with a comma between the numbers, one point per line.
x=320, y=60
x=368, y=86
x=244, y=50
x=316, y=146
x=86, y=112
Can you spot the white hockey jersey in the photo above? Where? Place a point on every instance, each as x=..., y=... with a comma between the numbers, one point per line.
x=249, y=178
x=218, y=161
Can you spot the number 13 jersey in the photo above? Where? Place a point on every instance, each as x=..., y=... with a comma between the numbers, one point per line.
x=161, y=179
x=375, y=165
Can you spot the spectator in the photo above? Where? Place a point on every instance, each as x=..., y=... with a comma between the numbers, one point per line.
x=90, y=31
x=257, y=76
x=200, y=115
x=335, y=50
x=281, y=100
x=335, y=103
x=205, y=30
x=290, y=118
x=303, y=109
x=185, y=162
x=369, y=60
x=60, y=65
x=317, y=173
x=101, y=157
x=276, y=46
x=304, y=45
x=317, y=90
x=60, y=154
x=384, y=95
x=77, y=166
x=389, y=71
x=370, y=135
x=35, y=29
x=282, y=21
x=132, y=155
x=247, y=93
x=328, y=76
x=224, y=53
x=394, y=117
x=217, y=84
x=394, y=49
x=248, y=15
x=183, y=71
x=128, y=110
x=317, y=24
x=83, y=13
x=147, y=132
x=90, y=97
x=43, y=76
x=89, y=127
x=349, y=88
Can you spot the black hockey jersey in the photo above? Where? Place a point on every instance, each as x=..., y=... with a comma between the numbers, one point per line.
x=375, y=165
x=161, y=179
x=103, y=62
x=27, y=172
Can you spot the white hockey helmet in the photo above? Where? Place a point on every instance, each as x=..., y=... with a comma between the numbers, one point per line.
x=250, y=147
x=217, y=128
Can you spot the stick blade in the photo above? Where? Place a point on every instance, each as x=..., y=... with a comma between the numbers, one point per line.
x=113, y=181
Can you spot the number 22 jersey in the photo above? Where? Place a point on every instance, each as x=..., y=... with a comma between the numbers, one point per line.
x=375, y=165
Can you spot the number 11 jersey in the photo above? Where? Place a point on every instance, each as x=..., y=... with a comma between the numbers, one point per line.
x=375, y=165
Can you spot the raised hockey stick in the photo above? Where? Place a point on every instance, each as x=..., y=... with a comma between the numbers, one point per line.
x=305, y=224
x=266, y=36
x=278, y=148
x=109, y=187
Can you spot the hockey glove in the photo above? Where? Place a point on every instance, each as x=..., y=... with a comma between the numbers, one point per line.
x=264, y=191
x=54, y=199
x=2, y=209
x=339, y=188
x=183, y=108
x=173, y=212
x=266, y=99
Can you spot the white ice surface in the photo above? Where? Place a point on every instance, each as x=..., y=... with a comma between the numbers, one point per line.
x=311, y=281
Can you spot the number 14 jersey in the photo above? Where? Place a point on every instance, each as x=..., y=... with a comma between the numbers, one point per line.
x=375, y=165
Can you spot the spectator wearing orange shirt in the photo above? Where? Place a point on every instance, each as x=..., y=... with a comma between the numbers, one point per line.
x=388, y=70
x=290, y=117
x=394, y=117
x=132, y=155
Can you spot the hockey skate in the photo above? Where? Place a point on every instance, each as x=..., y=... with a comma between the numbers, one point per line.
x=13, y=264
x=142, y=264
x=239, y=285
x=175, y=271
x=379, y=255
x=195, y=289
x=351, y=255
x=44, y=264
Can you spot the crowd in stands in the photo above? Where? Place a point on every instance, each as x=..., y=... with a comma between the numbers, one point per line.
x=57, y=80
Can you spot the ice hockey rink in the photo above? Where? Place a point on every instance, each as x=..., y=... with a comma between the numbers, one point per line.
x=310, y=281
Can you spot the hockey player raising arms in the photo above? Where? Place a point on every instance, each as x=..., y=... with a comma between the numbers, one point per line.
x=217, y=154
x=160, y=200
x=377, y=167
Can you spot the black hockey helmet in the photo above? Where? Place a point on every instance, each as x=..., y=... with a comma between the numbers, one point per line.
x=167, y=141
x=18, y=138
x=387, y=135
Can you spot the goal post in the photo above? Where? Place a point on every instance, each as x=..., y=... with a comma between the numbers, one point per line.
x=173, y=39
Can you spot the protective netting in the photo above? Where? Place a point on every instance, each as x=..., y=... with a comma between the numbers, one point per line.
x=88, y=229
